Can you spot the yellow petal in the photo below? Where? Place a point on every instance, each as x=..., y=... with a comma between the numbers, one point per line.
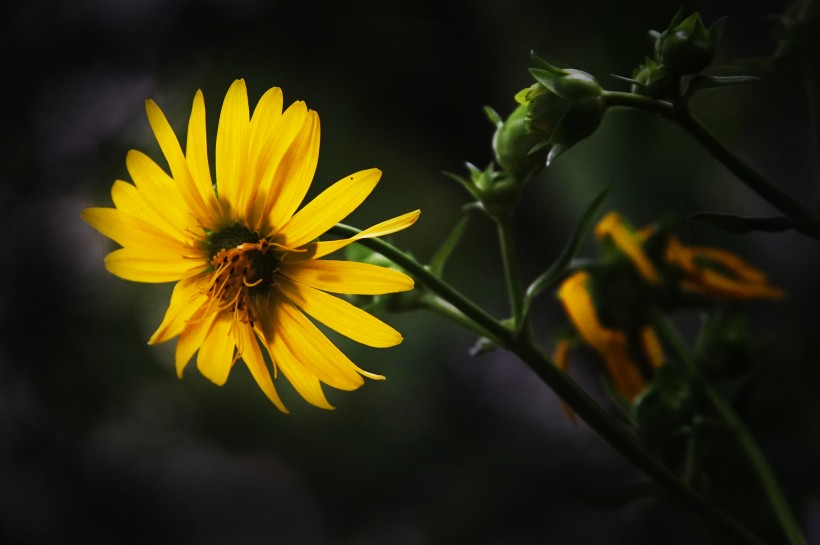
x=652, y=347
x=252, y=356
x=329, y=207
x=232, y=145
x=134, y=233
x=610, y=344
x=179, y=166
x=191, y=339
x=262, y=133
x=289, y=363
x=629, y=243
x=347, y=277
x=264, y=121
x=196, y=151
x=320, y=356
x=716, y=284
x=340, y=315
x=273, y=160
x=215, y=357
x=295, y=173
x=560, y=355
x=130, y=200
x=315, y=250
x=624, y=371
x=134, y=265
x=719, y=273
x=187, y=298
x=574, y=294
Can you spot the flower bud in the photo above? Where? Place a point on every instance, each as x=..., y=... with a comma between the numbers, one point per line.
x=688, y=47
x=654, y=80
x=513, y=144
x=580, y=120
x=567, y=83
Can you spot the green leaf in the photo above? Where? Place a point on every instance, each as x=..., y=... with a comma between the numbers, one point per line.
x=467, y=184
x=543, y=64
x=441, y=256
x=545, y=77
x=493, y=116
x=557, y=269
x=702, y=81
x=740, y=224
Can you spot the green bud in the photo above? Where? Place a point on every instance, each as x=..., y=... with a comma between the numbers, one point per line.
x=579, y=121
x=502, y=196
x=654, y=80
x=513, y=142
x=495, y=191
x=688, y=47
x=567, y=83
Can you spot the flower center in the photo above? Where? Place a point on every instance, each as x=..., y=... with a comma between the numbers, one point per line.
x=244, y=266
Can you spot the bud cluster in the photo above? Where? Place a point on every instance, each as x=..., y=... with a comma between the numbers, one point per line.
x=685, y=48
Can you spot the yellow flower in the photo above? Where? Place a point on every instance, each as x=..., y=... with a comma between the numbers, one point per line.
x=245, y=260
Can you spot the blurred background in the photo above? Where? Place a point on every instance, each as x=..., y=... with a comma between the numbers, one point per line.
x=100, y=443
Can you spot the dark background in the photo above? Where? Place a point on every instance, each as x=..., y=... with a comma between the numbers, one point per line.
x=100, y=443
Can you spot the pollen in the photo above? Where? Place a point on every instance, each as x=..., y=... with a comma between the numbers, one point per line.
x=239, y=274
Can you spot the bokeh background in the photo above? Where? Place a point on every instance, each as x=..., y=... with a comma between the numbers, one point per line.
x=100, y=443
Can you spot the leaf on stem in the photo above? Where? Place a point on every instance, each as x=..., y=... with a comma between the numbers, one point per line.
x=441, y=256
x=557, y=269
x=702, y=81
x=741, y=224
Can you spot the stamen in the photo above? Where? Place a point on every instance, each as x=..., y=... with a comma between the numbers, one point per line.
x=240, y=272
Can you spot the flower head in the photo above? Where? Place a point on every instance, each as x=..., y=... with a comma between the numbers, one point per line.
x=610, y=303
x=244, y=255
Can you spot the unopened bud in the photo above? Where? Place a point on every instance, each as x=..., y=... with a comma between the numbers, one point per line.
x=513, y=142
x=688, y=47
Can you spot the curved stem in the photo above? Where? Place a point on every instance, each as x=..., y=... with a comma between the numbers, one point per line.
x=774, y=494
x=753, y=179
x=515, y=290
x=749, y=176
x=581, y=403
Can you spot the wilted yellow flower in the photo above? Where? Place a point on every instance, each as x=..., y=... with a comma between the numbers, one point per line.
x=245, y=260
x=629, y=346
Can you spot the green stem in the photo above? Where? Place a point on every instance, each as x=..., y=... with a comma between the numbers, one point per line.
x=749, y=176
x=515, y=290
x=581, y=403
x=753, y=179
x=758, y=462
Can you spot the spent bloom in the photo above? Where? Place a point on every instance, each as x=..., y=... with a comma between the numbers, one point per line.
x=610, y=305
x=243, y=254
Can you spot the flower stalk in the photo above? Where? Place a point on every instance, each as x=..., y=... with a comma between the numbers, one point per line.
x=617, y=435
x=745, y=173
